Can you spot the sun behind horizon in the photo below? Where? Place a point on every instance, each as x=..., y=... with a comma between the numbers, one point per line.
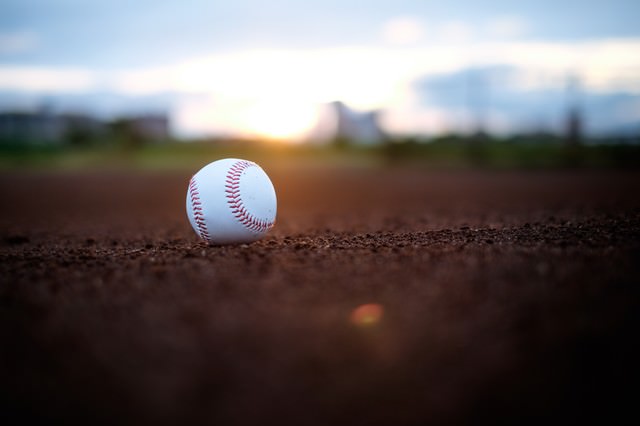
x=280, y=120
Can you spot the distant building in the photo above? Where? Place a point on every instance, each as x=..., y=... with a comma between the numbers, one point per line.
x=43, y=127
x=344, y=125
x=150, y=127
x=40, y=127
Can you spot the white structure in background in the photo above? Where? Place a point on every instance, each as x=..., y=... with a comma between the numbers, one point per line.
x=339, y=123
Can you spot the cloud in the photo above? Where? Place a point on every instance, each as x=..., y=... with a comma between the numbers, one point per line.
x=403, y=30
x=510, y=99
x=455, y=32
x=507, y=27
x=214, y=92
x=17, y=42
x=47, y=79
x=606, y=112
x=629, y=110
x=367, y=76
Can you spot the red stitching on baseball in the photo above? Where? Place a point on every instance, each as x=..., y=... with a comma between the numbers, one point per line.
x=196, y=206
x=234, y=199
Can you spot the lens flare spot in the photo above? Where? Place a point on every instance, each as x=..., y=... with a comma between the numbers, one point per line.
x=367, y=315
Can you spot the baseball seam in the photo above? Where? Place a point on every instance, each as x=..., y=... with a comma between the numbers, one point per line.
x=234, y=199
x=196, y=207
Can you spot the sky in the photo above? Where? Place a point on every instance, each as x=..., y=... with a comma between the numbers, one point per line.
x=250, y=67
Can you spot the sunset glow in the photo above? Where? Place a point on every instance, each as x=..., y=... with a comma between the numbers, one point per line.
x=280, y=120
x=266, y=76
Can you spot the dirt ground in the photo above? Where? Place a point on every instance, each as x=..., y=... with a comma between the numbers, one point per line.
x=506, y=298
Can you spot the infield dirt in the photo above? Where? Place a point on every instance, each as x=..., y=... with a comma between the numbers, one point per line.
x=505, y=297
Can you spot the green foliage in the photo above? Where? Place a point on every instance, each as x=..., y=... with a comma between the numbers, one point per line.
x=522, y=152
x=444, y=152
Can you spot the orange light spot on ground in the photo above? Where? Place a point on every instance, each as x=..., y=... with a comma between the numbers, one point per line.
x=367, y=315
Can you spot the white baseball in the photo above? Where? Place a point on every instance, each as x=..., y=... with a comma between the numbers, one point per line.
x=231, y=201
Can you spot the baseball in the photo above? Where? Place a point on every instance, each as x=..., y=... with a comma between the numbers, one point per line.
x=231, y=201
